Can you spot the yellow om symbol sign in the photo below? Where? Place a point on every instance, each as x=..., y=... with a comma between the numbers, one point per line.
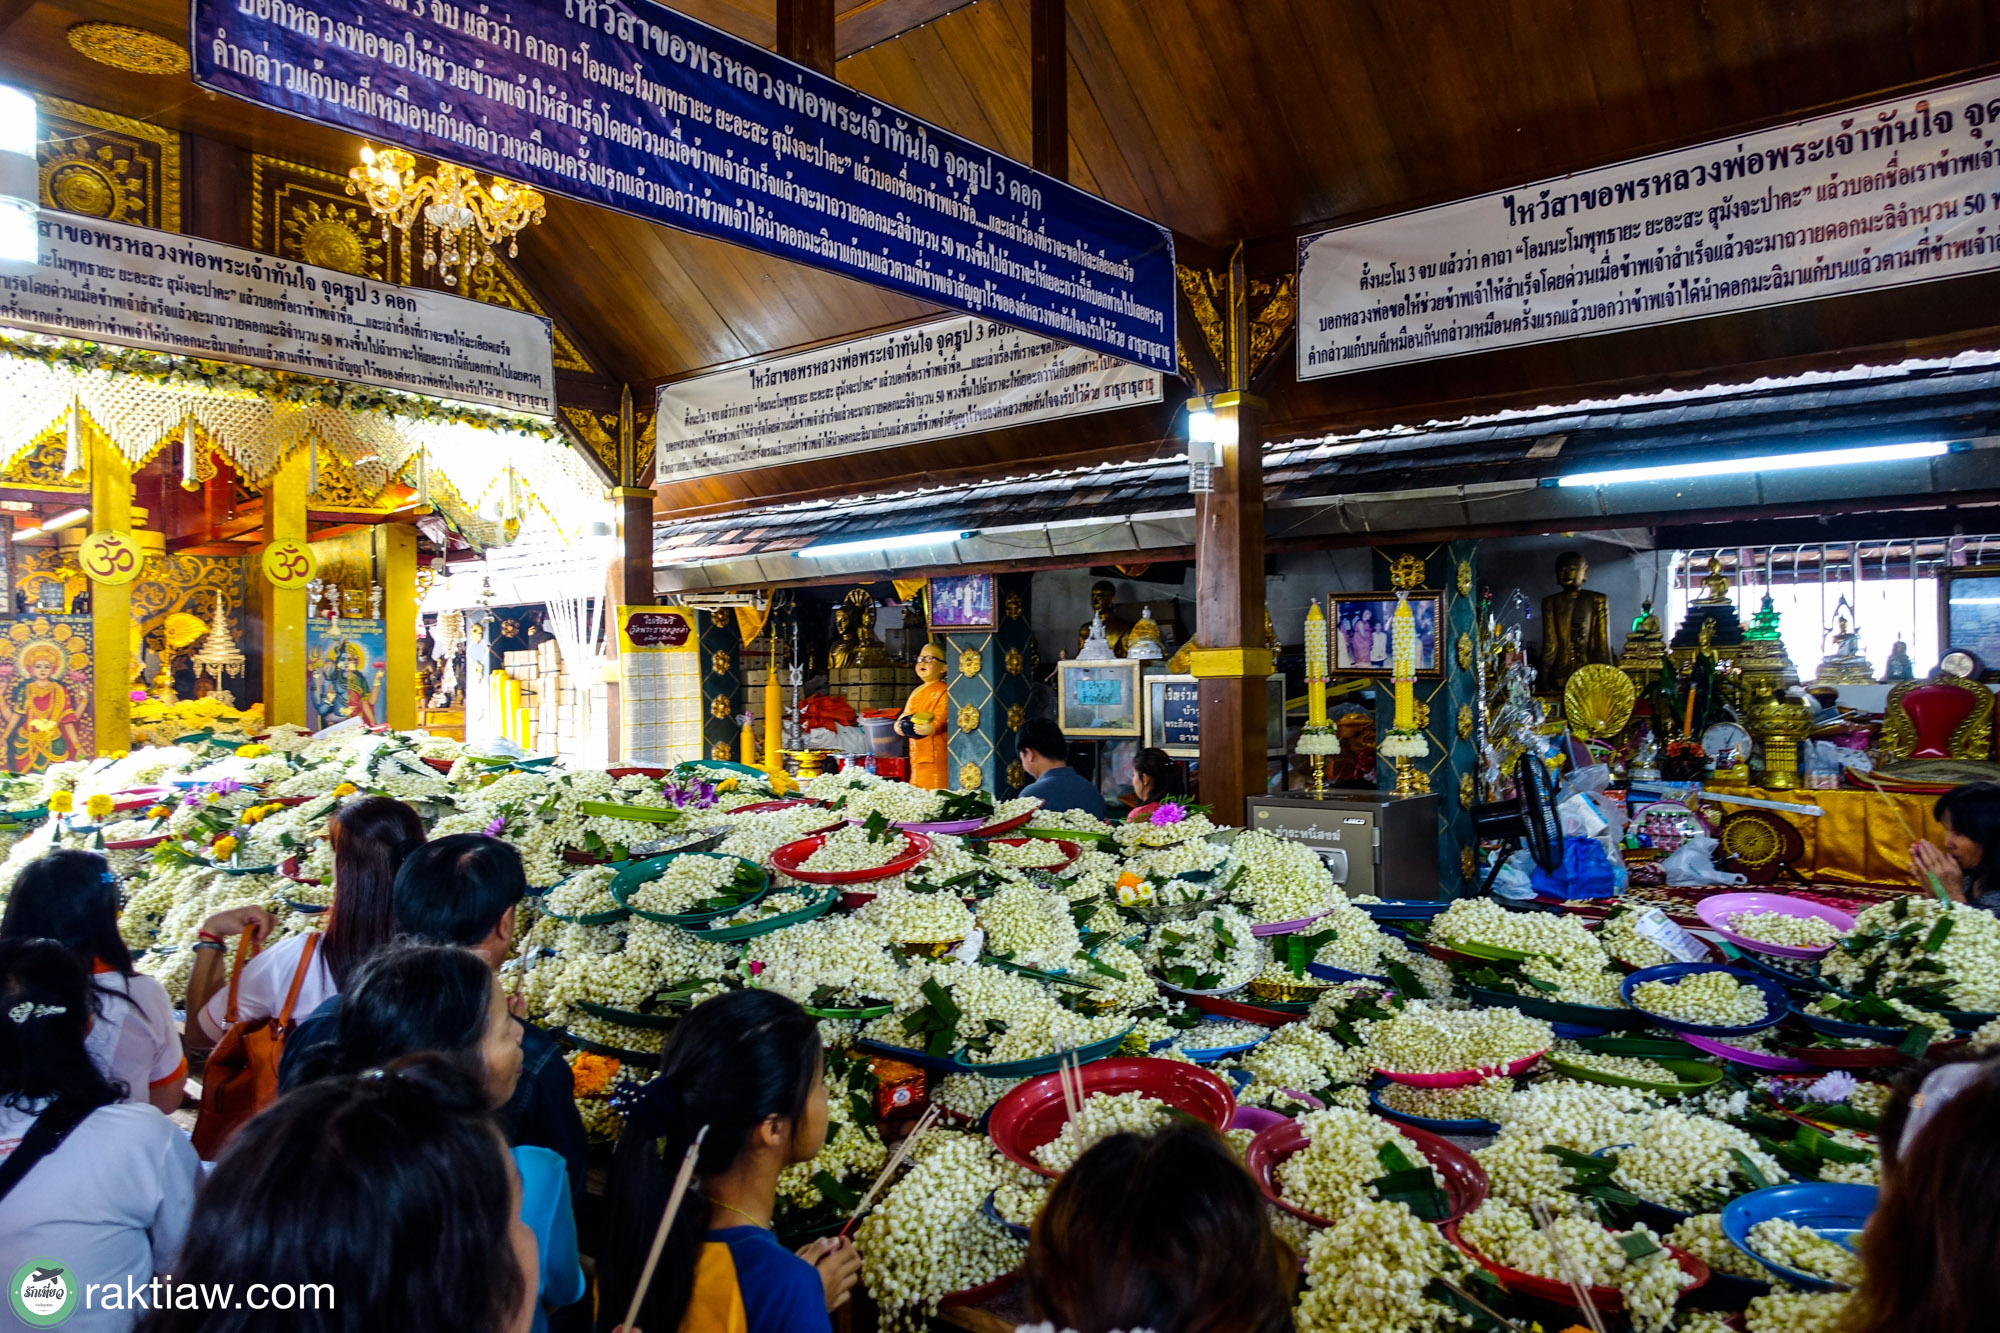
x=110, y=557
x=289, y=564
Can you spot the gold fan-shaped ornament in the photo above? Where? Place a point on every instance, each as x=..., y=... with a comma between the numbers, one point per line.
x=1598, y=700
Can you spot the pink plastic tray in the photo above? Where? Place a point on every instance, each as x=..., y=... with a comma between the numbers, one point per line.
x=1286, y=927
x=1715, y=913
x=1770, y=1064
x=1463, y=1078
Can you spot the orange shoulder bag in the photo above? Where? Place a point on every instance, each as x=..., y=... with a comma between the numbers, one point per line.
x=241, y=1077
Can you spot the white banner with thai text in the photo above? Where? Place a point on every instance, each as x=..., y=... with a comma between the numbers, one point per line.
x=953, y=377
x=1900, y=192
x=107, y=282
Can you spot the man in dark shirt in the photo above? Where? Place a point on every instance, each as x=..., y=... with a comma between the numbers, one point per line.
x=1045, y=758
x=462, y=890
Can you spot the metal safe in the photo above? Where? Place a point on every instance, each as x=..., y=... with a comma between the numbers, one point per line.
x=1373, y=842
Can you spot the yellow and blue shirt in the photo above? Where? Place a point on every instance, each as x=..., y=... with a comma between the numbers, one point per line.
x=745, y=1282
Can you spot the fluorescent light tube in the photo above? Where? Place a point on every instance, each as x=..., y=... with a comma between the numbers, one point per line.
x=1731, y=467
x=894, y=542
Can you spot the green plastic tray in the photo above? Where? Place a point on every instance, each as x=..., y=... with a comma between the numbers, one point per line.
x=750, y=930
x=640, y=873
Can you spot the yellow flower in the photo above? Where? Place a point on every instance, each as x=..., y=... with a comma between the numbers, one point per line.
x=225, y=847
x=159, y=812
x=252, y=751
x=99, y=806
x=345, y=789
x=61, y=803
x=252, y=815
x=727, y=784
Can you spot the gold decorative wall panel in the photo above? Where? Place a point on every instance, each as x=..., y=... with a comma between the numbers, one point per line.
x=303, y=213
x=105, y=166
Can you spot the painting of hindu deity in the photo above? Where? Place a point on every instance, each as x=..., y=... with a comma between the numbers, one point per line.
x=45, y=692
x=346, y=661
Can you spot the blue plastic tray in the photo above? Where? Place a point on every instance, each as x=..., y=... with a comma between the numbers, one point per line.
x=1776, y=1002
x=1838, y=1212
x=1433, y=1124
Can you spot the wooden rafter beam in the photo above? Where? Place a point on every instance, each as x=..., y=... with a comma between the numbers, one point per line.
x=805, y=33
x=876, y=21
x=1048, y=86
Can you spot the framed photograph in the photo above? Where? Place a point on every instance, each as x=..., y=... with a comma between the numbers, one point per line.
x=962, y=602
x=1969, y=613
x=1098, y=699
x=1358, y=633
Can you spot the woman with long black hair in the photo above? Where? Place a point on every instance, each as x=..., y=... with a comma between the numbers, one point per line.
x=380, y=1202
x=371, y=837
x=748, y=1066
x=1968, y=865
x=413, y=998
x=71, y=897
x=91, y=1185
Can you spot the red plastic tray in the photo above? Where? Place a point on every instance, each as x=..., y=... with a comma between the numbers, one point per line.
x=1559, y=1293
x=1249, y=1013
x=789, y=857
x=1032, y=1113
x=1005, y=825
x=1458, y=1172
x=1462, y=1078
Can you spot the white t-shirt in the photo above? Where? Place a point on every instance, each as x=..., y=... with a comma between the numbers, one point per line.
x=133, y=1041
x=266, y=979
x=109, y=1205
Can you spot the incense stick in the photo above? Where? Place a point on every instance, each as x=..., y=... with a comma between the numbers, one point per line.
x=1937, y=885
x=674, y=1200
x=924, y=1122
x=1569, y=1269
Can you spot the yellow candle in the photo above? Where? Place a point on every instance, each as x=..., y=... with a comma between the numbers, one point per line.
x=774, y=704
x=747, y=744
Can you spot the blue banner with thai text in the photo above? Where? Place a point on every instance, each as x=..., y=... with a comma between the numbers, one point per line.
x=638, y=108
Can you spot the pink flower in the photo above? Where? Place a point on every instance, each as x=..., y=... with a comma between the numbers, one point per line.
x=1168, y=813
x=496, y=828
x=138, y=696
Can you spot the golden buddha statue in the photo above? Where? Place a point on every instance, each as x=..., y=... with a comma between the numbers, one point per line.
x=1576, y=625
x=844, y=649
x=1103, y=603
x=1270, y=633
x=1715, y=613
x=868, y=651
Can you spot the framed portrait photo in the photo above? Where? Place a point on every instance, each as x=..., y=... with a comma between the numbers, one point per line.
x=1358, y=633
x=962, y=602
x=1969, y=613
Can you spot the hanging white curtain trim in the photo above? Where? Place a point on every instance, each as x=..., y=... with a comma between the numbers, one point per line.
x=258, y=434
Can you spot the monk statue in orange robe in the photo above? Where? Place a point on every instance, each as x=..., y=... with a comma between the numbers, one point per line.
x=923, y=722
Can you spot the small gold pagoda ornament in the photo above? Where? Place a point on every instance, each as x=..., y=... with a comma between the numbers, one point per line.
x=1780, y=724
x=218, y=655
x=1645, y=648
x=1763, y=656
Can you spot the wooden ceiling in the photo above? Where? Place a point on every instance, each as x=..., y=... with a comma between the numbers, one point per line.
x=1227, y=120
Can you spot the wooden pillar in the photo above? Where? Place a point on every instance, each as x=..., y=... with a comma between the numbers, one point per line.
x=110, y=607
x=283, y=609
x=1048, y=87
x=399, y=616
x=1233, y=662
x=805, y=33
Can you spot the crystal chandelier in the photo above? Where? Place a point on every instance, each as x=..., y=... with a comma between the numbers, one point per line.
x=463, y=220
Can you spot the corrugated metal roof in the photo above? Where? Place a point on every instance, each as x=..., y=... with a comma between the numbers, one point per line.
x=1920, y=399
